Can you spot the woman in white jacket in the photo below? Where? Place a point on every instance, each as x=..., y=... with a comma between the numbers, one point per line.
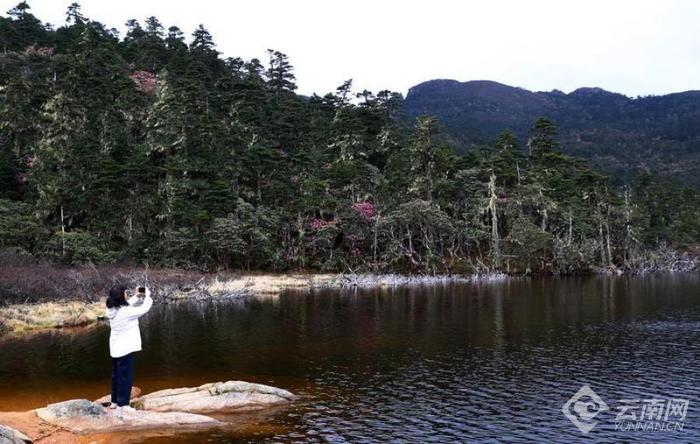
x=124, y=340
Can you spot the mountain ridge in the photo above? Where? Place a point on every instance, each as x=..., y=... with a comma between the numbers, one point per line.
x=621, y=135
x=554, y=91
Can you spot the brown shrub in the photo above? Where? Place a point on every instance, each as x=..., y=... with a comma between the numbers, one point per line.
x=25, y=280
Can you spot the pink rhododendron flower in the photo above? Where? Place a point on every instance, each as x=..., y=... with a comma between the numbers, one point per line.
x=145, y=81
x=317, y=224
x=365, y=210
x=42, y=51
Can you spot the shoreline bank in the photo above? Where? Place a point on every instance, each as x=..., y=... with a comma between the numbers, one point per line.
x=86, y=308
x=36, y=317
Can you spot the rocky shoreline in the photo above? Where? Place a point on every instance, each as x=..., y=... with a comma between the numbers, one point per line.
x=28, y=318
x=171, y=409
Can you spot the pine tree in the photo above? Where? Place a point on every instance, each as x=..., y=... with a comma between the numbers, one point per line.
x=146, y=148
x=542, y=138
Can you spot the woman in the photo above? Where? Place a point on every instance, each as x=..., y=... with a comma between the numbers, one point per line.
x=124, y=340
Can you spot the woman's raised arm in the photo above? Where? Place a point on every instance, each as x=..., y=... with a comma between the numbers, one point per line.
x=143, y=308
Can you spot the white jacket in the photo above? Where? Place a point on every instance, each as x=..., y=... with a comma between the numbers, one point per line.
x=124, y=321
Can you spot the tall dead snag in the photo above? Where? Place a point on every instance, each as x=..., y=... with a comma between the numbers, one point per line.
x=607, y=229
x=495, y=240
x=544, y=211
x=628, y=229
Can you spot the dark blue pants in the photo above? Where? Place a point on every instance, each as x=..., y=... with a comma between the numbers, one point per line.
x=122, y=379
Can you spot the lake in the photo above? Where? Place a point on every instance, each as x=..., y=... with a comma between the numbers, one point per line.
x=447, y=363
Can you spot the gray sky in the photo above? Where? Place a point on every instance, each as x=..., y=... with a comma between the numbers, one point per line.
x=635, y=47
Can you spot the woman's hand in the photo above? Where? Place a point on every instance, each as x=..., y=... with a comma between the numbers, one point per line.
x=143, y=294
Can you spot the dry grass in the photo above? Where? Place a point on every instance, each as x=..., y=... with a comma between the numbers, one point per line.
x=268, y=283
x=21, y=317
x=18, y=318
x=64, y=297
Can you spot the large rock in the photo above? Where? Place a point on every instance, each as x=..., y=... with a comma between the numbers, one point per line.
x=81, y=415
x=8, y=435
x=135, y=392
x=224, y=397
x=74, y=408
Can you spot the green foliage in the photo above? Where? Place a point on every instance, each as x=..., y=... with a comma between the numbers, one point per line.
x=322, y=248
x=621, y=136
x=528, y=243
x=417, y=235
x=78, y=247
x=148, y=149
x=245, y=237
x=18, y=226
x=543, y=138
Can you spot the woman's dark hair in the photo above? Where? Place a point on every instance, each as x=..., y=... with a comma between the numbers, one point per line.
x=116, y=296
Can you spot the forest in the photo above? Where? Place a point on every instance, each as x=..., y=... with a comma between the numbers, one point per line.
x=154, y=148
x=618, y=135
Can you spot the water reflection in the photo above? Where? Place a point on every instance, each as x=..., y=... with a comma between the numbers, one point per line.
x=445, y=363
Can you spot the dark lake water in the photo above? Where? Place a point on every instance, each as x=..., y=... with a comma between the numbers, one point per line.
x=483, y=362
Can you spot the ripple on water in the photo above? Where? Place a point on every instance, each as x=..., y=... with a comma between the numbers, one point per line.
x=480, y=363
x=485, y=394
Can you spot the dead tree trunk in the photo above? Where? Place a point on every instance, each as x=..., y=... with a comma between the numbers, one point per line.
x=495, y=240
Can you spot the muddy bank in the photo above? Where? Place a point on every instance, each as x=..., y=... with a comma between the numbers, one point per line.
x=27, y=318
